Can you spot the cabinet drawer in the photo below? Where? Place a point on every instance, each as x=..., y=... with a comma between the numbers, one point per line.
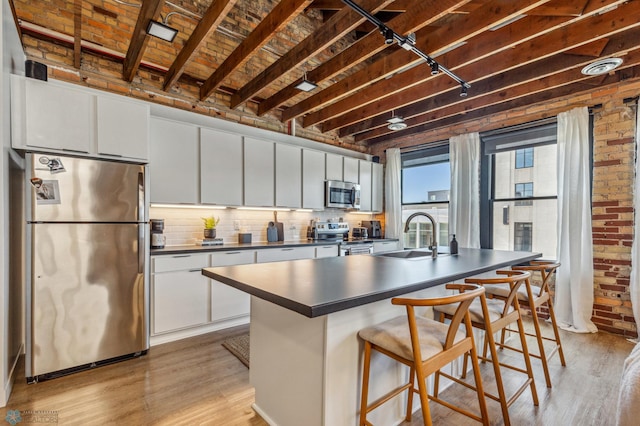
x=327, y=251
x=382, y=246
x=236, y=257
x=287, y=253
x=179, y=262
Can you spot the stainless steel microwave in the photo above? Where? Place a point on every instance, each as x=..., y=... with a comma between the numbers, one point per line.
x=342, y=195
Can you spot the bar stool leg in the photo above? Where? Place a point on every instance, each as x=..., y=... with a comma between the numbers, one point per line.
x=423, y=392
x=527, y=361
x=543, y=356
x=365, y=383
x=412, y=378
x=552, y=314
x=496, y=370
x=479, y=389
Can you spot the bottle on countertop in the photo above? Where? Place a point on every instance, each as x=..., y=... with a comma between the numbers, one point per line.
x=453, y=245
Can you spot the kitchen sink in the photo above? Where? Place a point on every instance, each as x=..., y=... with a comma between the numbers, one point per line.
x=410, y=254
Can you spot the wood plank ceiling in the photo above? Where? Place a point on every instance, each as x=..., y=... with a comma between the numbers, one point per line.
x=512, y=52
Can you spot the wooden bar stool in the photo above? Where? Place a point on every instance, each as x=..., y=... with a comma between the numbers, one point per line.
x=533, y=297
x=492, y=316
x=425, y=346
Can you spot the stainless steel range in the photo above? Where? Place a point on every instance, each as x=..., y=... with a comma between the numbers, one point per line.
x=339, y=231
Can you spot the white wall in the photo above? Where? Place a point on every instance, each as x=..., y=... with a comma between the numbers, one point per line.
x=12, y=62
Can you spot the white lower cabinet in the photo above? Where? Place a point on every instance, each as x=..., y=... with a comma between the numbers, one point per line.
x=226, y=301
x=331, y=250
x=382, y=246
x=286, y=253
x=180, y=293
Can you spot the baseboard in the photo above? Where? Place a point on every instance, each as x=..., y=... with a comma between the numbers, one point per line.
x=196, y=331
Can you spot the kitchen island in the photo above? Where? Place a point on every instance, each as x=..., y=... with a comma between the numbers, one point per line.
x=305, y=315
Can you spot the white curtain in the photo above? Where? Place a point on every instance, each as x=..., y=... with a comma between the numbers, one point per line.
x=574, y=279
x=634, y=286
x=464, y=201
x=393, y=199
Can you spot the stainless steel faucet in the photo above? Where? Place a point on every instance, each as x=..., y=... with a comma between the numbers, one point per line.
x=434, y=244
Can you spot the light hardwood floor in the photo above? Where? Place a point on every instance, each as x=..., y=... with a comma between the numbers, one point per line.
x=197, y=382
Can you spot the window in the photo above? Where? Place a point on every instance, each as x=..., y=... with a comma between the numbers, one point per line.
x=522, y=236
x=426, y=183
x=524, y=158
x=524, y=190
x=507, y=221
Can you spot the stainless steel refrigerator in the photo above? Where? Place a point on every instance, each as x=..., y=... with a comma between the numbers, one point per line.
x=87, y=279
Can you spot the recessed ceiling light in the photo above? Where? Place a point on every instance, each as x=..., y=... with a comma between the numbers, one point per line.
x=602, y=66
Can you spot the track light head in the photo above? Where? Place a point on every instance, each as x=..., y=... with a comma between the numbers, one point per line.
x=463, y=91
x=435, y=68
x=388, y=36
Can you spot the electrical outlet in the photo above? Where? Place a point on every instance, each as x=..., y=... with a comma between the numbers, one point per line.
x=236, y=225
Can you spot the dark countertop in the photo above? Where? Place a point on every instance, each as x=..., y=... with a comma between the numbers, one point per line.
x=185, y=249
x=317, y=287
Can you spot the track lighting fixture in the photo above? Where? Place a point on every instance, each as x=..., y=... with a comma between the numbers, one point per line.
x=388, y=36
x=396, y=122
x=463, y=91
x=407, y=43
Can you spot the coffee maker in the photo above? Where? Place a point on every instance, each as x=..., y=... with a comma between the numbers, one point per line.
x=157, y=238
x=374, y=230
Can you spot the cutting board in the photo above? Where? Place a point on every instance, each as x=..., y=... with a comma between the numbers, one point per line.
x=279, y=227
x=272, y=233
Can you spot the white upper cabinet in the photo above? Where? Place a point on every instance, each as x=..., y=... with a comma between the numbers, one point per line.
x=61, y=117
x=221, y=177
x=313, y=168
x=288, y=176
x=365, y=185
x=174, y=164
x=377, y=180
x=122, y=128
x=259, y=173
x=351, y=170
x=334, y=167
x=47, y=115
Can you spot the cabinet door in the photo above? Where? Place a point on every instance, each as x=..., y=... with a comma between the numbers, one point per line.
x=382, y=246
x=365, y=185
x=288, y=253
x=377, y=180
x=57, y=117
x=288, y=176
x=350, y=170
x=259, y=173
x=180, y=300
x=220, y=168
x=327, y=251
x=122, y=128
x=334, y=167
x=313, y=164
x=173, y=165
x=228, y=302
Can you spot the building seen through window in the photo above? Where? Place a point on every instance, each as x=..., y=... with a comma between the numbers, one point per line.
x=524, y=158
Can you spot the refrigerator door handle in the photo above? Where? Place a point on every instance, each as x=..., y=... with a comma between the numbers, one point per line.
x=141, y=248
x=141, y=200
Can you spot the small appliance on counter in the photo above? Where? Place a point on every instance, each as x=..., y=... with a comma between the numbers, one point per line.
x=373, y=228
x=359, y=233
x=158, y=239
x=333, y=231
x=210, y=242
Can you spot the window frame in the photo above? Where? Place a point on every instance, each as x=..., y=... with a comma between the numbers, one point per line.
x=487, y=175
x=435, y=149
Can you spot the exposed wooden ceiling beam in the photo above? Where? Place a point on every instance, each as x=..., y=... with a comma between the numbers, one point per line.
x=420, y=15
x=279, y=17
x=628, y=74
x=150, y=10
x=335, y=28
x=567, y=37
x=562, y=8
x=216, y=12
x=431, y=42
x=558, y=70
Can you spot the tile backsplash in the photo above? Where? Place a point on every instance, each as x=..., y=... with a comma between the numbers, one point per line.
x=183, y=226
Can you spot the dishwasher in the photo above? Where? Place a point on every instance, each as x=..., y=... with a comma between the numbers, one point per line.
x=350, y=249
